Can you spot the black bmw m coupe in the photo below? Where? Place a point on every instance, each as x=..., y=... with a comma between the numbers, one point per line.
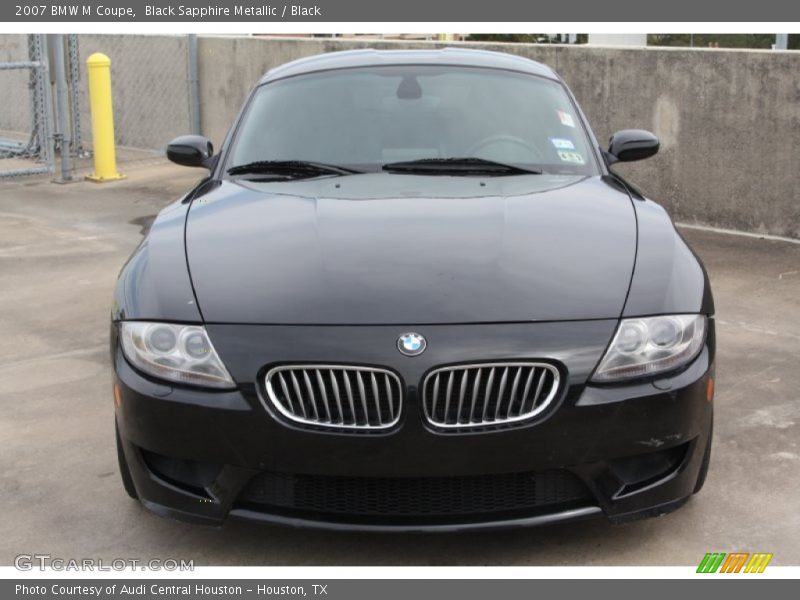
x=410, y=294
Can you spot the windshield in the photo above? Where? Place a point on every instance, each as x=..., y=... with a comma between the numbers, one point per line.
x=366, y=118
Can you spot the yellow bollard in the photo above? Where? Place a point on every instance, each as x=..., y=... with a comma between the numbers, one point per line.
x=105, y=157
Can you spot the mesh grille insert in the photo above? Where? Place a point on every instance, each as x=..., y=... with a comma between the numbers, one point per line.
x=416, y=496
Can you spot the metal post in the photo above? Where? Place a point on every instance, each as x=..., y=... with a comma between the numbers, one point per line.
x=194, y=84
x=781, y=41
x=105, y=154
x=74, y=85
x=62, y=107
x=46, y=138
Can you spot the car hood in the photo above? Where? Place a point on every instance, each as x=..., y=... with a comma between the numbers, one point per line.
x=404, y=249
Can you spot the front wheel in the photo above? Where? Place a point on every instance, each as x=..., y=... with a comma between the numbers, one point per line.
x=124, y=471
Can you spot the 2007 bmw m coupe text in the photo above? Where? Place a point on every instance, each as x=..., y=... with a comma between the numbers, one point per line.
x=410, y=294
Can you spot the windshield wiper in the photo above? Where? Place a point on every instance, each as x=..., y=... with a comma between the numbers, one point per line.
x=465, y=166
x=290, y=169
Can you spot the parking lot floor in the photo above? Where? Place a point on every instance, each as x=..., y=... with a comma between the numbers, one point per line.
x=61, y=247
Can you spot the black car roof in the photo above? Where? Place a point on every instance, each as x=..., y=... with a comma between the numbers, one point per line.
x=463, y=57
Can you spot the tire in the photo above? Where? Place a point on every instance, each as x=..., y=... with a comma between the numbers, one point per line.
x=124, y=471
x=701, y=477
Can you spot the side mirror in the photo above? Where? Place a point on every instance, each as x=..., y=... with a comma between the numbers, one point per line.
x=191, y=151
x=632, y=144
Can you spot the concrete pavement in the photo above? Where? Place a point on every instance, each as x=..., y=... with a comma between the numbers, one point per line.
x=60, y=250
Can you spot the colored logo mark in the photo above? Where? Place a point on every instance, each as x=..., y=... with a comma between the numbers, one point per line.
x=735, y=562
x=411, y=344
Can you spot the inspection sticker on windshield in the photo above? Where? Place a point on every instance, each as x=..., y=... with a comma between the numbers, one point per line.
x=562, y=144
x=571, y=157
x=565, y=118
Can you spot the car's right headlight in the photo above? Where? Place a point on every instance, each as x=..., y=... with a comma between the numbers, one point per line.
x=180, y=353
x=651, y=345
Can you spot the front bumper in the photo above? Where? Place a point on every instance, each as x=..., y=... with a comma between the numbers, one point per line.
x=636, y=449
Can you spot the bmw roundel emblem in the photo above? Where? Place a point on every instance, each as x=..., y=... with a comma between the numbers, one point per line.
x=411, y=344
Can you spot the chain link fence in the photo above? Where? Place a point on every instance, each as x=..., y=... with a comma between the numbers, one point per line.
x=33, y=134
x=150, y=90
x=45, y=120
x=26, y=118
x=75, y=84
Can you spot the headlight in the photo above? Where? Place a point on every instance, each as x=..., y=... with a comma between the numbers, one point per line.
x=651, y=345
x=181, y=353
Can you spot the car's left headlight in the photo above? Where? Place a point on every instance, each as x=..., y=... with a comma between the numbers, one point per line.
x=651, y=345
x=180, y=353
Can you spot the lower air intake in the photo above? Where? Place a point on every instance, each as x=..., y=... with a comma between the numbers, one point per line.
x=414, y=496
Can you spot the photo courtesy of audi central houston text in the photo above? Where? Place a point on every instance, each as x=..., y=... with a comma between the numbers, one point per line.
x=410, y=294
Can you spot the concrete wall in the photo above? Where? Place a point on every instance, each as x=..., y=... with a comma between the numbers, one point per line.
x=729, y=121
x=729, y=124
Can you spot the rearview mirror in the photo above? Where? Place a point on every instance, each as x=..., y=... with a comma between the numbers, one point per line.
x=632, y=144
x=191, y=151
